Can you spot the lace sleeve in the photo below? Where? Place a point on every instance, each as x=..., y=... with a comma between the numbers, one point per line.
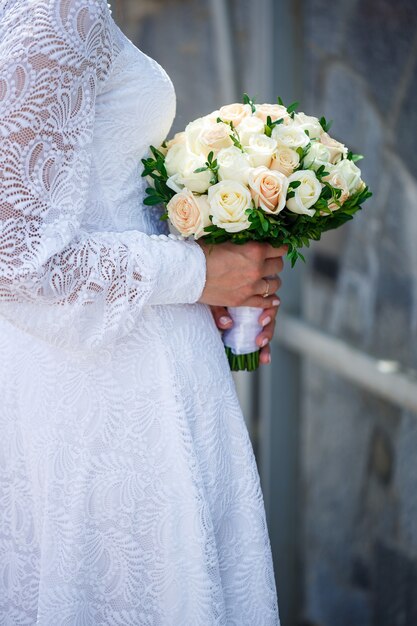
x=56, y=280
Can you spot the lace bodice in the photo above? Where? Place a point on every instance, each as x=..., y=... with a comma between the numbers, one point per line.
x=75, y=250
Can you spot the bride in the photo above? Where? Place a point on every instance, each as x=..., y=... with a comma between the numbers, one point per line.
x=129, y=494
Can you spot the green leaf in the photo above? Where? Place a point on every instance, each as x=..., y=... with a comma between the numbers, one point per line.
x=280, y=101
x=326, y=125
x=293, y=107
x=294, y=184
x=201, y=169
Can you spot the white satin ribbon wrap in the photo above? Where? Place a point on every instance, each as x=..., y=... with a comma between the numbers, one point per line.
x=241, y=338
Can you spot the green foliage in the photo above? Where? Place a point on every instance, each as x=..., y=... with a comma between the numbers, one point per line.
x=270, y=125
x=354, y=157
x=326, y=125
x=251, y=101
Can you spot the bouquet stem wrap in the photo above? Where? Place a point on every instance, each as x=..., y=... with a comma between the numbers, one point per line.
x=240, y=340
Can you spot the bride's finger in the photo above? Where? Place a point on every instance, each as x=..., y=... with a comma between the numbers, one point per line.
x=221, y=317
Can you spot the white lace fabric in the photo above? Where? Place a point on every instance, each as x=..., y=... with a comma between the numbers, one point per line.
x=128, y=489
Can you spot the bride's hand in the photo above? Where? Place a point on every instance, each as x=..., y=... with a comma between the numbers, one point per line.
x=235, y=274
x=266, y=319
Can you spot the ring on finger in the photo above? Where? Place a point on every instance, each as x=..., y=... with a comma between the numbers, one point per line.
x=266, y=293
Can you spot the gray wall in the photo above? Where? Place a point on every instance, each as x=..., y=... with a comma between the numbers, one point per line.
x=359, y=455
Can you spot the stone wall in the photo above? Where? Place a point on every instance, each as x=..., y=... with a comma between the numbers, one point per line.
x=359, y=455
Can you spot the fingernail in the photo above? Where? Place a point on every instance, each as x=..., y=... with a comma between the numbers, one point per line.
x=224, y=320
x=264, y=342
x=276, y=302
x=266, y=321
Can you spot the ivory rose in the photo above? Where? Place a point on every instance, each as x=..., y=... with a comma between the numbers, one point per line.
x=192, y=132
x=260, y=150
x=306, y=194
x=235, y=112
x=310, y=124
x=179, y=138
x=285, y=160
x=351, y=173
x=317, y=156
x=337, y=180
x=268, y=189
x=181, y=164
x=213, y=138
x=274, y=111
x=188, y=213
x=233, y=165
x=175, y=158
x=291, y=136
x=249, y=127
x=228, y=202
x=336, y=149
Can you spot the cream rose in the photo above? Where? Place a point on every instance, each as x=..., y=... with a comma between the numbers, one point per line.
x=274, y=111
x=291, y=136
x=285, y=160
x=336, y=149
x=233, y=165
x=178, y=138
x=337, y=181
x=317, y=156
x=228, y=202
x=268, y=189
x=181, y=164
x=249, y=127
x=350, y=172
x=192, y=133
x=198, y=182
x=310, y=124
x=235, y=113
x=260, y=150
x=306, y=194
x=215, y=137
x=189, y=214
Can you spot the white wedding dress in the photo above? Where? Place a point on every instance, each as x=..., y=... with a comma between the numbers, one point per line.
x=129, y=494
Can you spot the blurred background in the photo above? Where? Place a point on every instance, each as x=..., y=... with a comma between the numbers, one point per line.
x=334, y=419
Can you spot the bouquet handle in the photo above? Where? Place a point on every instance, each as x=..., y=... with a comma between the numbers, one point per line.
x=240, y=340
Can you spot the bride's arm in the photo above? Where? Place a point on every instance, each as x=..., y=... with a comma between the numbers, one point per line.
x=56, y=280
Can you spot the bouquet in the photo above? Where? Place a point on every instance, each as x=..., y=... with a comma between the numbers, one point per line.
x=262, y=172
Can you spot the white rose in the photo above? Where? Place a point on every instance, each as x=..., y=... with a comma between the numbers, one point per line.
x=228, y=203
x=268, y=189
x=198, y=182
x=285, y=160
x=260, y=150
x=249, y=127
x=309, y=123
x=336, y=149
x=337, y=181
x=233, y=165
x=274, y=111
x=351, y=174
x=181, y=164
x=178, y=138
x=192, y=132
x=306, y=194
x=235, y=113
x=317, y=156
x=176, y=158
x=291, y=136
x=214, y=137
x=189, y=214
